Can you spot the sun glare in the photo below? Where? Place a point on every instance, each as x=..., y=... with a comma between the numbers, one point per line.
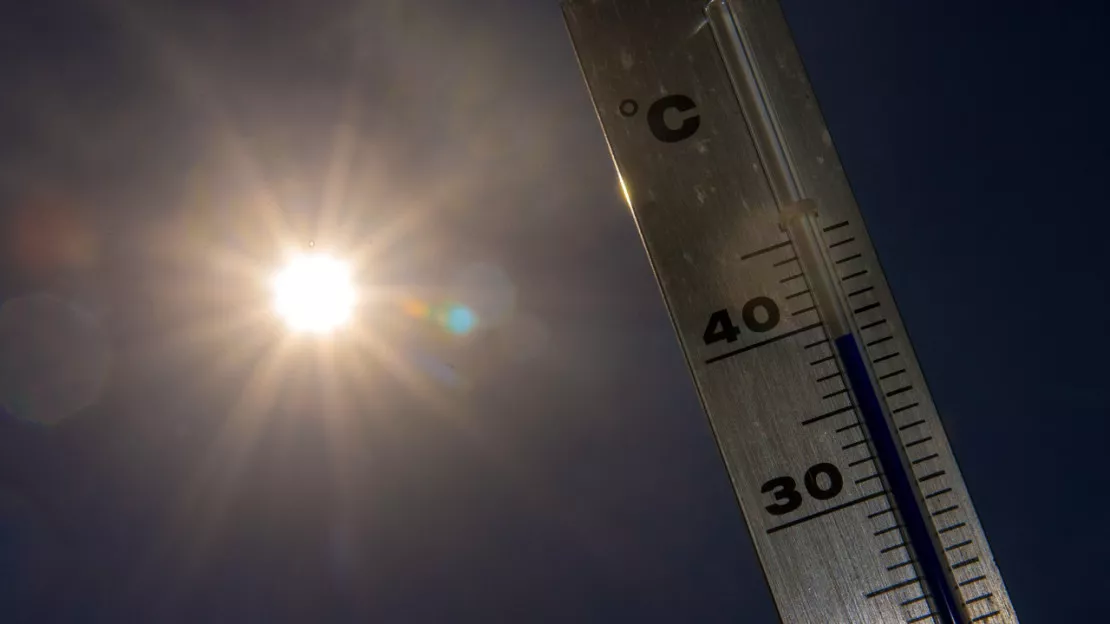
x=314, y=293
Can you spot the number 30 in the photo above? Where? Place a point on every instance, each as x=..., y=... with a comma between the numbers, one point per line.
x=785, y=489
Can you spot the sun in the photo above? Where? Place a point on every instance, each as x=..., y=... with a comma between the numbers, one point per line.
x=314, y=293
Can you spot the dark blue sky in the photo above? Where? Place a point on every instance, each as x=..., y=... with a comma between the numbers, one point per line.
x=570, y=475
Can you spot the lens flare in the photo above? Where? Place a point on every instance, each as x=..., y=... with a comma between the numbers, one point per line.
x=459, y=319
x=454, y=318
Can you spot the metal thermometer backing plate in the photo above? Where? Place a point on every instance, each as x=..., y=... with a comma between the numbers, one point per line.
x=712, y=230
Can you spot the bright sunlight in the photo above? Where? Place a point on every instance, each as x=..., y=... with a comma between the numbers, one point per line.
x=314, y=293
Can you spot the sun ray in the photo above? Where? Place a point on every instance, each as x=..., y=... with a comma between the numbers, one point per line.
x=206, y=496
x=344, y=148
x=392, y=360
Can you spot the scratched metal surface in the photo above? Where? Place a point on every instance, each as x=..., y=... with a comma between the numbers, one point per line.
x=774, y=394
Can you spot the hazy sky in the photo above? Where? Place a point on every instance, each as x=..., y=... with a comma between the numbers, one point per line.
x=166, y=456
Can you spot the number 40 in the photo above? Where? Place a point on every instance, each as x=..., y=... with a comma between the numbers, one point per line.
x=759, y=315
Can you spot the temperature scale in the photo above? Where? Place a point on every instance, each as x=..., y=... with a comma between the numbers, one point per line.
x=850, y=490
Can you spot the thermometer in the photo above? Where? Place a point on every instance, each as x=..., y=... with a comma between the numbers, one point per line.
x=840, y=463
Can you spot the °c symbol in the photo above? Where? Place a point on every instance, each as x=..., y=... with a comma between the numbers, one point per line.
x=656, y=118
x=629, y=108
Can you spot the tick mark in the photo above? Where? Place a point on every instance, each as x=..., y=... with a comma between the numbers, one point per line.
x=906, y=603
x=758, y=252
x=879, y=341
x=899, y=391
x=952, y=528
x=893, y=374
x=872, y=516
x=965, y=563
x=978, y=598
x=941, y=512
x=931, y=476
x=868, y=478
x=764, y=343
x=959, y=545
x=890, y=588
x=888, y=529
x=826, y=512
x=839, y=410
